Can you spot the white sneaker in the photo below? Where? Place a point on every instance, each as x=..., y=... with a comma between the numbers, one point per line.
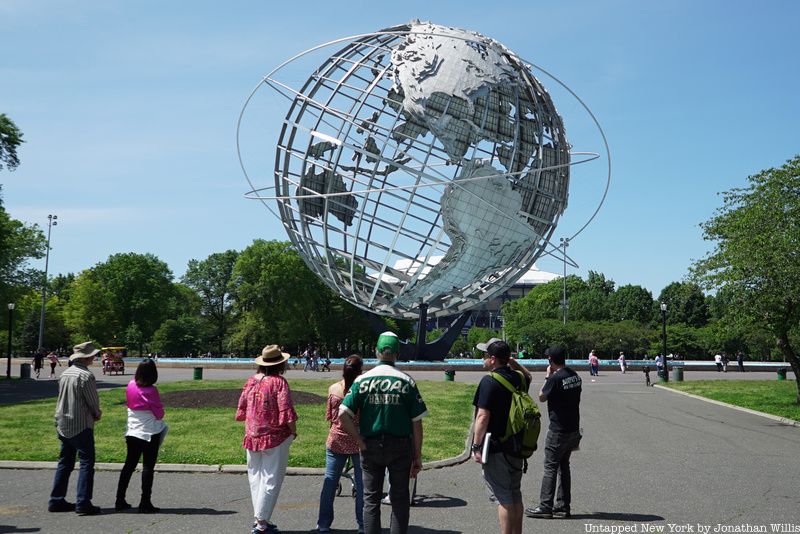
x=386, y=500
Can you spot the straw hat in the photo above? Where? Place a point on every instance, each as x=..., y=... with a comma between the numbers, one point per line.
x=84, y=350
x=271, y=355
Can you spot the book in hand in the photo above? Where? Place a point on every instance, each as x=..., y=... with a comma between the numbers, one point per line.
x=485, y=450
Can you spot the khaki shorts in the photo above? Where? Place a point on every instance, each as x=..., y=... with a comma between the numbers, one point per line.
x=503, y=476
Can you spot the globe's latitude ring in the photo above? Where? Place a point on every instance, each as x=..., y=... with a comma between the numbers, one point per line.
x=420, y=164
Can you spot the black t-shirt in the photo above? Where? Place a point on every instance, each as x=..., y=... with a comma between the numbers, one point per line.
x=494, y=397
x=563, y=390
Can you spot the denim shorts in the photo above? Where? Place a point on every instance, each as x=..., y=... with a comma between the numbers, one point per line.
x=503, y=476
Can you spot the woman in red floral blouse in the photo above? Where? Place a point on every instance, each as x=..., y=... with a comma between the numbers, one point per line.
x=266, y=408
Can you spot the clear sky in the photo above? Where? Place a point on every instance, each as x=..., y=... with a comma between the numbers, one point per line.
x=129, y=112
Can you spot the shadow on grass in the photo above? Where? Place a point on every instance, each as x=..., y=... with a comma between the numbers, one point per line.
x=19, y=391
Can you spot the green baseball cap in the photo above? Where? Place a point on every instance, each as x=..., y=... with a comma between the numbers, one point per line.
x=389, y=340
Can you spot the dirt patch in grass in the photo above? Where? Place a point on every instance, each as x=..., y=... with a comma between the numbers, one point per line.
x=221, y=398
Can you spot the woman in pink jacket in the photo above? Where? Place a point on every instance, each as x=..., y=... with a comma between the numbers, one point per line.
x=146, y=431
x=267, y=410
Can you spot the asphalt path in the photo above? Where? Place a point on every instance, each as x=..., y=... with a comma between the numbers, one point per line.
x=650, y=459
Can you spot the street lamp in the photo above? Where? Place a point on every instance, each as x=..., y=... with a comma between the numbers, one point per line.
x=10, y=324
x=564, y=305
x=665, y=376
x=501, y=320
x=52, y=220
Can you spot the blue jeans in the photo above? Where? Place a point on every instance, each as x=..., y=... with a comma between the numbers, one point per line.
x=395, y=454
x=83, y=446
x=558, y=447
x=334, y=465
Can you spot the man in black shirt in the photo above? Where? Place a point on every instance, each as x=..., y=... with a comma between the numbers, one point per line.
x=562, y=392
x=501, y=472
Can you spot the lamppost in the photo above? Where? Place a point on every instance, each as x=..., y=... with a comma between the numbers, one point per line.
x=564, y=305
x=52, y=220
x=10, y=324
x=501, y=320
x=665, y=376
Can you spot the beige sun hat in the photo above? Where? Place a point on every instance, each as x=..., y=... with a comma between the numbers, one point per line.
x=83, y=350
x=271, y=355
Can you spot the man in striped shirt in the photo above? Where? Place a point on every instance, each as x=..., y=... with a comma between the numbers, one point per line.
x=77, y=410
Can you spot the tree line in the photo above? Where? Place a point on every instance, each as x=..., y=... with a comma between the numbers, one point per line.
x=232, y=302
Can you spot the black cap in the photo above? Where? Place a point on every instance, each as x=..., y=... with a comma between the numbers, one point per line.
x=555, y=352
x=499, y=349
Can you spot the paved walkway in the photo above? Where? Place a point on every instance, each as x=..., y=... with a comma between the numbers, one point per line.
x=649, y=458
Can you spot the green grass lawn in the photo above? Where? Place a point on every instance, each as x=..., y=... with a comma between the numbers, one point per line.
x=211, y=436
x=768, y=396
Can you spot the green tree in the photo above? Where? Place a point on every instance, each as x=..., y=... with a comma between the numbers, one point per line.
x=598, y=282
x=10, y=139
x=631, y=302
x=178, y=337
x=90, y=313
x=212, y=279
x=594, y=302
x=277, y=295
x=19, y=243
x=133, y=337
x=685, y=304
x=124, y=290
x=476, y=335
x=56, y=333
x=756, y=235
x=591, y=305
x=543, y=301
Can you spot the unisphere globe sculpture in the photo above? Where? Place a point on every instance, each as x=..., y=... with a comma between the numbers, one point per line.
x=420, y=164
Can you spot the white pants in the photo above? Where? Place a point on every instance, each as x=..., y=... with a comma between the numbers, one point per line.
x=265, y=471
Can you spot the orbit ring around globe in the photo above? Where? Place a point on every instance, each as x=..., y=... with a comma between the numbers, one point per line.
x=420, y=164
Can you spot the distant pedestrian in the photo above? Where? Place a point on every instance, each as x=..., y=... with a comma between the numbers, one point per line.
x=622, y=365
x=53, y=357
x=725, y=361
x=660, y=364
x=646, y=372
x=740, y=361
x=38, y=360
x=265, y=406
x=77, y=410
x=594, y=364
x=144, y=436
x=338, y=449
x=718, y=361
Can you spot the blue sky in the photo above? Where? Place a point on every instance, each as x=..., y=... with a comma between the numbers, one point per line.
x=129, y=112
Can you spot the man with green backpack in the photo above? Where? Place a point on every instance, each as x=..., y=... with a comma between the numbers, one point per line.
x=502, y=438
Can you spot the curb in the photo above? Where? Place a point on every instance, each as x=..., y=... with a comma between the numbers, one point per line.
x=228, y=469
x=233, y=469
x=779, y=419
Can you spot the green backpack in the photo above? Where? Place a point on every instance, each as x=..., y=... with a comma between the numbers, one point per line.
x=524, y=420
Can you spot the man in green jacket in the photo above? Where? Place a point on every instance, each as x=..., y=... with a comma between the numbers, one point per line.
x=389, y=434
